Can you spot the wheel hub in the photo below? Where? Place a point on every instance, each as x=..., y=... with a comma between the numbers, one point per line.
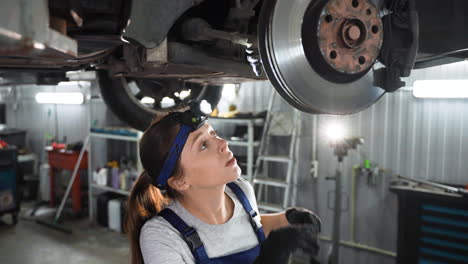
x=352, y=33
x=318, y=54
x=349, y=35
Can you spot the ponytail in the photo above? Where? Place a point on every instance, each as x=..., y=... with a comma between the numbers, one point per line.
x=144, y=203
x=146, y=200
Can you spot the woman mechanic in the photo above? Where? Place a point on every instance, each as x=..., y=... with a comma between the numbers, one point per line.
x=208, y=213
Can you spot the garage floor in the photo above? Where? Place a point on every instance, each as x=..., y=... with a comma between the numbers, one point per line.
x=29, y=242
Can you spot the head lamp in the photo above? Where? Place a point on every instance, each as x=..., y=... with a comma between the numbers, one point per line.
x=190, y=121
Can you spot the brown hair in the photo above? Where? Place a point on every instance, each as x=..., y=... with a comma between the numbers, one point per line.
x=145, y=199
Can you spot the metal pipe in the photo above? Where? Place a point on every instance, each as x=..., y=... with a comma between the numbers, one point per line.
x=335, y=250
x=353, y=204
x=179, y=53
x=234, y=37
x=298, y=123
x=447, y=188
x=361, y=246
x=250, y=150
x=352, y=243
x=333, y=257
x=72, y=180
x=90, y=156
x=314, y=137
x=314, y=161
x=139, y=166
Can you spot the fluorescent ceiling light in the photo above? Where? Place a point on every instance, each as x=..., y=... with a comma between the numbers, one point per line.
x=440, y=89
x=59, y=98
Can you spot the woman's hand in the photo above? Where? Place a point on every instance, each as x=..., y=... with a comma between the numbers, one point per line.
x=273, y=221
x=301, y=216
x=288, y=231
x=281, y=242
x=298, y=215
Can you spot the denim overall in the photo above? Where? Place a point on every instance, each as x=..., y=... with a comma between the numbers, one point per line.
x=190, y=235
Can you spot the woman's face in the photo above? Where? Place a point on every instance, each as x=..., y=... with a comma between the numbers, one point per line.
x=206, y=159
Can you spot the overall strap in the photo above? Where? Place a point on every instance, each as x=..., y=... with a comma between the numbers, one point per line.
x=189, y=234
x=248, y=208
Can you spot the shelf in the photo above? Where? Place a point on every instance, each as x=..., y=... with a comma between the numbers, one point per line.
x=269, y=207
x=242, y=143
x=238, y=120
x=110, y=189
x=113, y=136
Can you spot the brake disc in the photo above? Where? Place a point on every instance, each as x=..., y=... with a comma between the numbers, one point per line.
x=319, y=55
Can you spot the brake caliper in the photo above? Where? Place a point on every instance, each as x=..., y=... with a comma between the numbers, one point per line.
x=400, y=44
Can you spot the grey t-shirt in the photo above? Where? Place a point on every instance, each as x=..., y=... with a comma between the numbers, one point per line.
x=162, y=243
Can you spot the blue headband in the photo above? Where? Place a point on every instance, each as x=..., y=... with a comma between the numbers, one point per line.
x=189, y=122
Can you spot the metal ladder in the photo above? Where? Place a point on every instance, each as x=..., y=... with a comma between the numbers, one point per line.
x=262, y=183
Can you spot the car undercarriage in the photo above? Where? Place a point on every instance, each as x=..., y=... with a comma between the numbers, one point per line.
x=322, y=56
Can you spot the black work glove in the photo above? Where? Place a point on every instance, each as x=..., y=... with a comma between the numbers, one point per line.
x=281, y=242
x=298, y=215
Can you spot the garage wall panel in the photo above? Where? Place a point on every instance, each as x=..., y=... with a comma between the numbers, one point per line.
x=413, y=137
x=404, y=135
x=24, y=112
